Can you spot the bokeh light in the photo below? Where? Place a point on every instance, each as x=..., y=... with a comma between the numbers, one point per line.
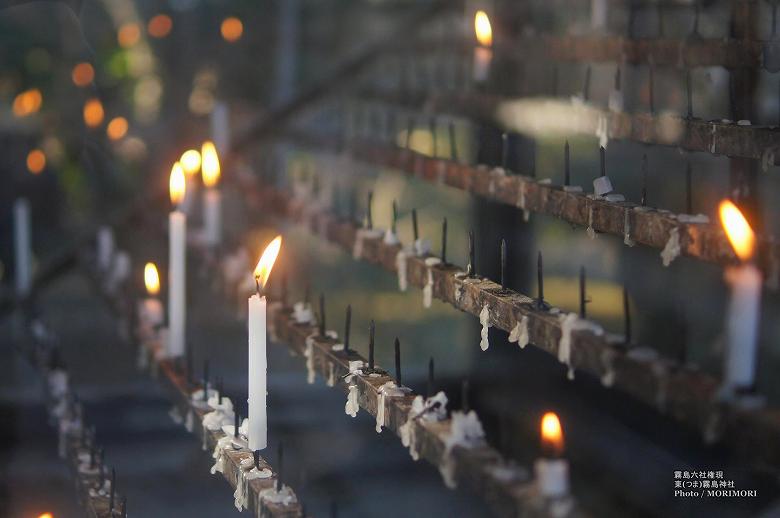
x=117, y=128
x=190, y=161
x=128, y=35
x=159, y=26
x=232, y=29
x=93, y=112
x=27, y=102
x=36, y=161
x=82, y=74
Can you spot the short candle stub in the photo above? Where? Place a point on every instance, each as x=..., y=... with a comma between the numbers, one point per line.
x=552, y=470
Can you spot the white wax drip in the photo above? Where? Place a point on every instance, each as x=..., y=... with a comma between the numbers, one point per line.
x=389, y=389
x=521, y=197
x=591, y=233
x=422, y=246
x=400, y=266
x=284, y=496
x=627, y=228
x=331, y=375
x=352, y=406
x=175, y=414
x=361, y=235
x=466, y=432
x=431, y=409
x=302, y=313
x=672, y=248
x=242, y=486
x=390, y=238
x=218, y=455
x=572, y=322
x=484, y=319
x=519, y=333
x=311, y=375
x=428, y=289
x=189, y=422
x=607, y=359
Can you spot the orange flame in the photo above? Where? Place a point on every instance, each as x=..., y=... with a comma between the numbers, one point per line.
x=267, y=260
x=738, y=230
x=209, y=164
x=190, y=161
x=151, y=279
x=483, y=29
x=177, y=185
x=552, y=434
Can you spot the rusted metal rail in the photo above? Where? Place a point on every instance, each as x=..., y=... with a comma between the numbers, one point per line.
x=684, y=393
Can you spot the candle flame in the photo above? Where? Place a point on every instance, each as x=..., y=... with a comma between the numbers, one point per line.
x=151, y=279
x=552, y=434
x=267, y=260
x=190, y=161
x=209, y=164
x=177, y=184
x=738, y=230
x=483, y=29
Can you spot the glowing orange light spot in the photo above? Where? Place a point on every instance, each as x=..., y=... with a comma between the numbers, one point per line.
x=552, y=434
x=27, y=102
x=209, y=164
x=267, y=260
x=231, y=29
x=159, y=26
x=741, y=236
x=177, y=185
x=190, y=161
x=36, y=161
x=151, y=279
x=483, y=29
x=82, y=74
x=117, y=128
x=93, y=112
x=128, y=35
x=46, y=515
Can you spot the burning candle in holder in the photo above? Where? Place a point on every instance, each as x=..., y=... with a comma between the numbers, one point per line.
x=212, y=199
x=552, y=470
x=745, y=281
x=150, y=309
x=190, y=162
x=177, y=264
x=483, y=52
x=258, y=363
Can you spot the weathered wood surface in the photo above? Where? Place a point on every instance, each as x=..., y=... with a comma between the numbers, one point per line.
x=682, y=392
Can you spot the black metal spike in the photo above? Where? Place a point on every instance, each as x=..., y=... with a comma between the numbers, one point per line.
x=444, y=241
x=503, y=263
x=347, y=328
x=603, y=159
x=453, y=143
x=566, y=165
x=236, y=423
x=471, y=268
x=504, y=150
x=280, y=466
x=689, y=92
x=583, y=296
x=397, y=346
x=205, y=380
x=369, y=216
x=430, y=377
x=322, y=314
x=626, y=316
x=540, y=303
x=395, y=217
x=220, y=389
x=371, y=331
x=415, y=229
x=464, y=390
x=644, y=180
x=256, y=456
x=688, y=189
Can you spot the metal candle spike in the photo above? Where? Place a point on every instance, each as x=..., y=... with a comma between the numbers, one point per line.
x=347, y=327
x=397, y=345
x=415, y=228
x=256, y=456
x=369, y=218
x=322, y=314
x=504, y=150
x=603, y=159
x=583, y=299
x=371, y=330
x=444, y=241
x=688, y=189
x=395, y=217
x=503, y=263
x=430, y=377
x=205, y=380
x=236, y=424
x=540, y=303
x=470, y=269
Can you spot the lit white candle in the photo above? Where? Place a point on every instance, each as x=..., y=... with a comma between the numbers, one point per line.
x=220, y=126
x=177, y=265
x=552, y=470
x=22, y=247
x=212, y=199
x=744, y=307
x=258, y=363
x=105, y=248
x=151, y=309
x=483, y=52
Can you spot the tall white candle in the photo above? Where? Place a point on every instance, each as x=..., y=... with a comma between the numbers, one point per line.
x=258, y=363
x=22, y=247
x=745, y=281
x=177, y=265
x=483, y=53
x=105, y=247
x=212, y=199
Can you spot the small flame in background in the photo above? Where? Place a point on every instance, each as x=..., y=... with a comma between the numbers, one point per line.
x=738, y=231
x=177, y=185
x=267, y=260
x=190, y=161
x=552, y=434
x=483, y=29
x=209, y=164
x=151, y=279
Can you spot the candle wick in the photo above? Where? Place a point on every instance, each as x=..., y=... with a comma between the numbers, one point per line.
x=257, y=285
